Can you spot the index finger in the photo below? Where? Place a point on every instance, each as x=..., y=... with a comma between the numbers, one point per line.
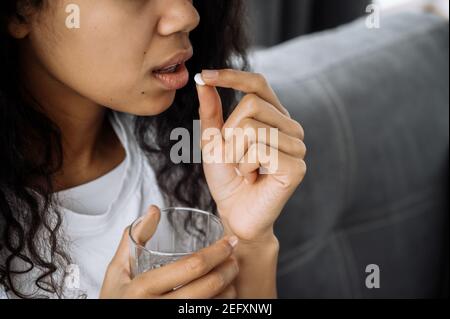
x=182, y=272
x=249, y=83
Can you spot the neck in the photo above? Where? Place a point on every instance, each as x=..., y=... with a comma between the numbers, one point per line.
x=90, y=146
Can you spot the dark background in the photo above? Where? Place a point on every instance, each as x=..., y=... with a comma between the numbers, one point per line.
x=275, y=21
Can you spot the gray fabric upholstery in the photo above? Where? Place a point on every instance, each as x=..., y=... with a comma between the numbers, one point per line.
x=375, y=107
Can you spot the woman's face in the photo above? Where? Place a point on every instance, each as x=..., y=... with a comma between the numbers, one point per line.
x=111, y=59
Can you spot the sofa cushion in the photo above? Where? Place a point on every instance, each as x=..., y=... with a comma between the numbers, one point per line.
x=375, y=107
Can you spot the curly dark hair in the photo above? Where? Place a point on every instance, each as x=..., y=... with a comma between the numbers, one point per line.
x=32, y=149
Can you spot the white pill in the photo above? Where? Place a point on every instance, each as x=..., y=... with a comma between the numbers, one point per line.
x=199, y=80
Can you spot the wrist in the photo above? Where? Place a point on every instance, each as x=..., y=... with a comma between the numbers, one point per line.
x=266, y=242
x=265, y=238
x=258, y=268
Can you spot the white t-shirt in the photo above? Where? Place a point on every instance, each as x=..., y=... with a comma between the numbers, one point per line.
x=95, y=215
x=94, y=197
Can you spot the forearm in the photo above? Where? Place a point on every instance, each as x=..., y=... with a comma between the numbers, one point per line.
x=257, y=269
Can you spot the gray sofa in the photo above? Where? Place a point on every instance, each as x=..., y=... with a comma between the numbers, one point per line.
x=375, y=107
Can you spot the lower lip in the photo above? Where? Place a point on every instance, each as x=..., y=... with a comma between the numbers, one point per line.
x=176, y=80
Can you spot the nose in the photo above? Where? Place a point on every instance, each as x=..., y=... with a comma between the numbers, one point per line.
x=177, y=16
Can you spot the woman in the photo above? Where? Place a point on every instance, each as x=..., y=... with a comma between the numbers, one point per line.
x=86, y=112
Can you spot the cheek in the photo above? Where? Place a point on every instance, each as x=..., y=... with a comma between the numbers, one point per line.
x=103, y=60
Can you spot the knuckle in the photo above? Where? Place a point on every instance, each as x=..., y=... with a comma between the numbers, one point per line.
x=249, y=103
x=244, y=101
x=235, y=265
x=196, y=264
x=136, y=291
x=300, y=132
x=301, y=168
x=300, y=148
x=216, y=282
x=298, y=173
x=260, y=79
x=226, y=248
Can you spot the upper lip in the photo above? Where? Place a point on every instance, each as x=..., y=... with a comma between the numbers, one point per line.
x=176, y=59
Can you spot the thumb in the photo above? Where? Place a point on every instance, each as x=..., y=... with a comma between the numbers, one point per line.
x=141, y=233
x=211, y=111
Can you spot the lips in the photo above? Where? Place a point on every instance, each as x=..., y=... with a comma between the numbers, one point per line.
x=173, y=74
x=169, y=69
x=173, y=80
x=175, y=61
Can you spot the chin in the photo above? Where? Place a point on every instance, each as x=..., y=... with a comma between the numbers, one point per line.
x=152, y=106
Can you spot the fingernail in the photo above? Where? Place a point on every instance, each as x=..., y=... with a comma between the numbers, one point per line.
x=210, y=74
x=238, y=172
x=199, y=80
x=233, y=241
x=246, y=181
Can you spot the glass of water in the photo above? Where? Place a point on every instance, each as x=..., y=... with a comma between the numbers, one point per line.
x=180, y=233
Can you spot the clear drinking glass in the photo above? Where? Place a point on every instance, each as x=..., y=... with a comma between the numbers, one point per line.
x=180, y=232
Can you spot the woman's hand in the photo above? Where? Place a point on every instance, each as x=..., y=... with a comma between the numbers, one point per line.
x=206, y=274
x=249, y=202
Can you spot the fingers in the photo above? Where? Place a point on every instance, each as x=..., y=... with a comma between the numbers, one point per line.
x=245, y=82
x=286, y=169
x=259, y=109
x=182, y=272
x=252, y=106
x=250, y=131
x=144, y=230
x=209, y=285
